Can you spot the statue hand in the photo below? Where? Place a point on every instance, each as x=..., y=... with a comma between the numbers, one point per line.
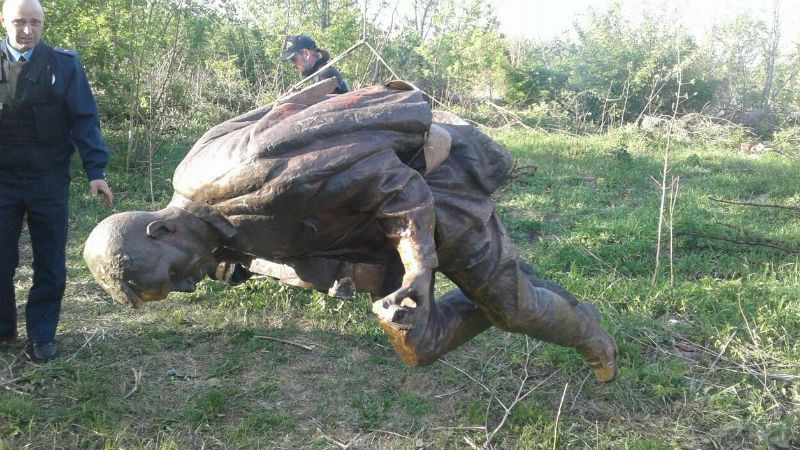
x=405, y=306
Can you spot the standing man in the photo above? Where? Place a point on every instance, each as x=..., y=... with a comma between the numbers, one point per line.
x=47, y=110
x=302, y=51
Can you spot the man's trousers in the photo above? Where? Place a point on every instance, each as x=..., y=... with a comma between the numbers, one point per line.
x=43, y=199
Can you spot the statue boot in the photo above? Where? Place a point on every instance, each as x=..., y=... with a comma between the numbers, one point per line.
x=598, y=348
x=560, y=319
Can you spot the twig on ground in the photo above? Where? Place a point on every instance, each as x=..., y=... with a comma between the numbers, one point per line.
x=86, y=342
x=580, y=388
x=332, y=439
x=471, y=443
x=468, y=427
x=297, y=344
x=705, y=377
x=584, y=249
x=754, y=338
x=743, y=368
x=392, y=433
x=447, y=394
x=137, y=379
x=756, y=241
x=10, y=366
x=479, y=383
x=558, y=415
x=763, y=205
x=515, y=173
x=378, y=344
x=11, y=381
x=519, y=396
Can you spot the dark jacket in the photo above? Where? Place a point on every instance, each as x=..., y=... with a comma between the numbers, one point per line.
x=330, y=72
x=70, y=85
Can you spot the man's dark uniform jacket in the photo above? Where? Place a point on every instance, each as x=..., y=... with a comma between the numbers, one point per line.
x=47, y=114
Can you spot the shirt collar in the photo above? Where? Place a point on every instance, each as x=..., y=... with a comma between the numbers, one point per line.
x=16, y=53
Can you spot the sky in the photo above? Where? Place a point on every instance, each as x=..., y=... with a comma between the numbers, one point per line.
x=545, y=19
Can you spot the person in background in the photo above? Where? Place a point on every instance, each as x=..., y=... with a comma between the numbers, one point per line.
x=47, y=110
x=302, y=51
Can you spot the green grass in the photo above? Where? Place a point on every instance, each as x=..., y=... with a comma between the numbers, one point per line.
x=709, y=361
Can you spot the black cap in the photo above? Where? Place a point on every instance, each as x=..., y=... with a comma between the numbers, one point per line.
x=294, y=44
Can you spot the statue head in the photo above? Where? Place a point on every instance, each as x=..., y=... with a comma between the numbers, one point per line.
x=143, y=256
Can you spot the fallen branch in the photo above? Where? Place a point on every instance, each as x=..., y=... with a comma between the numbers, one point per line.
x=447, y=394
x=471, y=443
x=504, y=111
x=467, y=427
x=745, y=241
x=764, y=205
x=520, y=396
x=137, y=379
x=558, y=415
x=85, y=343
x=705, y=377
x=332, y=440
x=297, y=344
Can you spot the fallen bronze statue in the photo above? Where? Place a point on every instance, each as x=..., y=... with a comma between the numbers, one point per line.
x=366, y=191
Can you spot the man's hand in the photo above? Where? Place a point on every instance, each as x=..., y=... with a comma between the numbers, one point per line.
x=410, y=303
x=100, y=186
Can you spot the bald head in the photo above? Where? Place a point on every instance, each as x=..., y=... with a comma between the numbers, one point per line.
x=24, y=23
x=13, y=5
x=143, y=256
x=115, y=247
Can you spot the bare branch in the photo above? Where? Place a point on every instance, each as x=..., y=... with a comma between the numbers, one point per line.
x=764, y=205
x=296, y=344
x=757, y=241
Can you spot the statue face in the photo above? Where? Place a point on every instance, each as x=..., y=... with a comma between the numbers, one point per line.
x=140, y=257
x=175, y=264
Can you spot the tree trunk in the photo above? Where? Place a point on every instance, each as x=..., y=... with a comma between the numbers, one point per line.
x=772, y=55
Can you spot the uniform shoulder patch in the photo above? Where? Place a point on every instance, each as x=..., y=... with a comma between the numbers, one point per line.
x=65, y=51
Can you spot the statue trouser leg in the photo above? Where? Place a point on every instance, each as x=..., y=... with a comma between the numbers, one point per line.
x=505, y=293
x=452, y=320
